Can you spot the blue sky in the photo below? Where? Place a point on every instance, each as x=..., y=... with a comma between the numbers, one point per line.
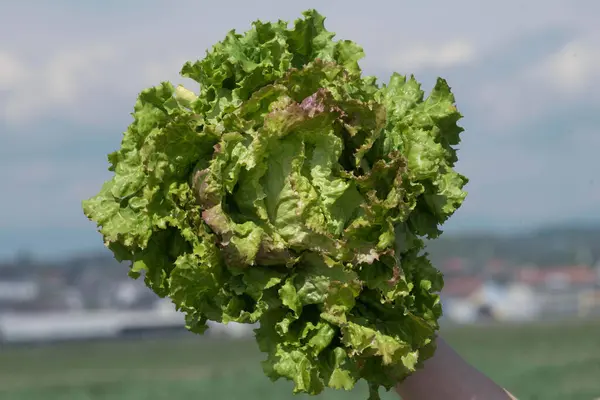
x=526, y=76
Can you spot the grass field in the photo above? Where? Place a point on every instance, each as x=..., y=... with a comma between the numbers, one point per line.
x=551, y=361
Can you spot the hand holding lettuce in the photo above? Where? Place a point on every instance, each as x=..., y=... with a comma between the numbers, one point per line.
x=294, y=192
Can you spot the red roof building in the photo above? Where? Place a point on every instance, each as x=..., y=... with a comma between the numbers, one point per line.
x=569, y=276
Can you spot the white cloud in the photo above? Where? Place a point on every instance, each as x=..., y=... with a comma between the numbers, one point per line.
x=433, y=55
x=61, y=81
x=82, y=84
x=505, y=105
x=569, y=76
x=572, y=70
x=12, y=71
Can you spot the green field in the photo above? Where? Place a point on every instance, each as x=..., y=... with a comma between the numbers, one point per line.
x=558, y=361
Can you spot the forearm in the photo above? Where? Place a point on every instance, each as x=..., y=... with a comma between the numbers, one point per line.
x=447, y=376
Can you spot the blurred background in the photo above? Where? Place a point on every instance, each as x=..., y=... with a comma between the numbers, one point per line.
x=521, y=258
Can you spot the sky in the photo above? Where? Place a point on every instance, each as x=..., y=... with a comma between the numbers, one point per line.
x=526, y=75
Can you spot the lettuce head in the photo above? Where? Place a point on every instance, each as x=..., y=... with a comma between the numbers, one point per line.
x=292, y=192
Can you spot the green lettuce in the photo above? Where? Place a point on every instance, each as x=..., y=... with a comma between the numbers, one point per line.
x=292, y=192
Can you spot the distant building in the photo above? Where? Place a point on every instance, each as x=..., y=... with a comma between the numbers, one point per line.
x=461, y=286
x=508, y=302
x=454, y=265
x=457, y=298
x=559, y=278
x=562, y=290
x=470, y=298
x=14, y=294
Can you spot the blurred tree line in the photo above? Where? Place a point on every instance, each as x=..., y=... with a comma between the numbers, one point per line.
x=549, y=247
